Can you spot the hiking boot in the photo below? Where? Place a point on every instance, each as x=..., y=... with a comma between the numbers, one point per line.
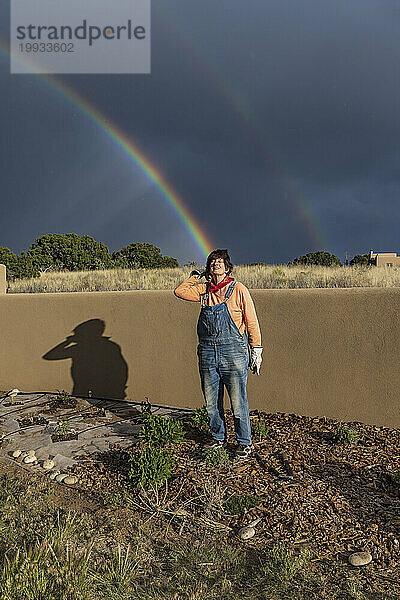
x=243, y=452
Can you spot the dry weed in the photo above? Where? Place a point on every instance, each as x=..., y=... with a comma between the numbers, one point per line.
x=253, y=277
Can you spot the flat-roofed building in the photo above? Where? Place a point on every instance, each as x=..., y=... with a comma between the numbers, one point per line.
x=384, y=259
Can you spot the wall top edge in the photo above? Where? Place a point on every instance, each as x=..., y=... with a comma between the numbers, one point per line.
x=284, y=291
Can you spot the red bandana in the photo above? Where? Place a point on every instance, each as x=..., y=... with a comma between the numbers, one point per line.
x=223, y=283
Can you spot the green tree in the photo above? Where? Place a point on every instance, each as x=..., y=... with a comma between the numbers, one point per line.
x=17, y=266
x=360, y=259
x=25, y=267
x=140, y=255
x=9, y=259
x=69, y=251
x=318, y=258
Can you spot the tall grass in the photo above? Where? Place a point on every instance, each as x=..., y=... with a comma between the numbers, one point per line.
x=253, y=277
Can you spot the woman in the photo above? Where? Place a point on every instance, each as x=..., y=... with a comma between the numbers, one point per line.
x=227, y=310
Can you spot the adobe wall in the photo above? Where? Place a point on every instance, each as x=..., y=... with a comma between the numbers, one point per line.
x=3, y=282
x=331, y=352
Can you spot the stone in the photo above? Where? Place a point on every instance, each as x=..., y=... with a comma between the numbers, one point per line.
x=61, y=477
x=30, y=453
x=245, y=533
x=54, y=474
x=30, y=459
x=70, y=480
x=360, y=559
x=48, y=465
x=16, y=453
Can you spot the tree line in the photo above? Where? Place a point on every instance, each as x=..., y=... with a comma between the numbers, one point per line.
x=71, y=252
x=323, y=259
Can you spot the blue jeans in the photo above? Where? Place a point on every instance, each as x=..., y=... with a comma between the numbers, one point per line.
x=226, y=364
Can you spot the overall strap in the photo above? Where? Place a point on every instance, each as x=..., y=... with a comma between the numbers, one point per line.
x=230, y=290
x=206, y=293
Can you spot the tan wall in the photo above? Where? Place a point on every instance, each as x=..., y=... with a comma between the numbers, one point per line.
x=3, y=282
x=332, y=352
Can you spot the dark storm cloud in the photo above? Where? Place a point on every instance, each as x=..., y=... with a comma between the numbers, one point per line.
x=253, y=111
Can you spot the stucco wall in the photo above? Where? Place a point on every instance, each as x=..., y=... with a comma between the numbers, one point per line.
x=331, y=352
x=3, y=282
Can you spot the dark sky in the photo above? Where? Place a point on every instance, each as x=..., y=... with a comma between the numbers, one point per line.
x=276, y=121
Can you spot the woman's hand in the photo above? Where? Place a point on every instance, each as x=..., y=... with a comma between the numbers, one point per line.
x=255, y=360
x=198, y=273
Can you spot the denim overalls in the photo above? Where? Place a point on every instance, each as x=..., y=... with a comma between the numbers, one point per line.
x=223, y=360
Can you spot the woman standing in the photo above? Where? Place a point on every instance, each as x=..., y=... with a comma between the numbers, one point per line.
x=227, y=311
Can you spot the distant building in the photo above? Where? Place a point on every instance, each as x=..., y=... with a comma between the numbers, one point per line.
x=384, y=259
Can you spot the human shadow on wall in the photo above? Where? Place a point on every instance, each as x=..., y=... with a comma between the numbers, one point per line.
x=97, y=363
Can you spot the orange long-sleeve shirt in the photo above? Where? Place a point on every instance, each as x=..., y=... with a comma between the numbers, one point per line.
x=240, y=304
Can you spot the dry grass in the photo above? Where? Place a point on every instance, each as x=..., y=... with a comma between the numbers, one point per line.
x=254, y=277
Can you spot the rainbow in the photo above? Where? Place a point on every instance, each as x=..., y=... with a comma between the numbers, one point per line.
x=191, y=225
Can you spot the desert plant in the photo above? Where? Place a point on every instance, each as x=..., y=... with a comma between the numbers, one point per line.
x=62, y=428
x=115, y=581
x=215, y=457
x=151, y=467
x=282, y=565
x=63, y=396
x=344, y=434
x=200, y=417
x=159, y=431
x=279, y=275
x=237, y=503
x=259, y=428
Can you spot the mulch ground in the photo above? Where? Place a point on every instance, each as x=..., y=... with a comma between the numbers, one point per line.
x=341, y=498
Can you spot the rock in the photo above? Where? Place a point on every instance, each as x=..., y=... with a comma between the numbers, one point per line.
x=359, y=559
x=61, y=477
x=254, y=523
x=30, y=453
x=245, y=533
x=30, y=459
x=70, y=480
x=48, y=465
x=54, y=474
x=16, y=453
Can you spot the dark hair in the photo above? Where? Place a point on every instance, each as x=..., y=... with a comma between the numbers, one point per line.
x=219, y=254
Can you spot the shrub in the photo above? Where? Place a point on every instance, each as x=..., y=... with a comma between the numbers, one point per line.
x=237, y=503
x=62, y=428
x=152, y=467
x=318, y=258
x=282, y=565
x=215, y=457
x=360, y=259
x=69, y=251
x=159, y=431
x=344, y=434
x=139, y=255
x=259, y=428
x=200, y=416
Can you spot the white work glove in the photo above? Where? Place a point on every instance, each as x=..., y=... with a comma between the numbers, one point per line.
x=255, y=360
x=199, y=275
